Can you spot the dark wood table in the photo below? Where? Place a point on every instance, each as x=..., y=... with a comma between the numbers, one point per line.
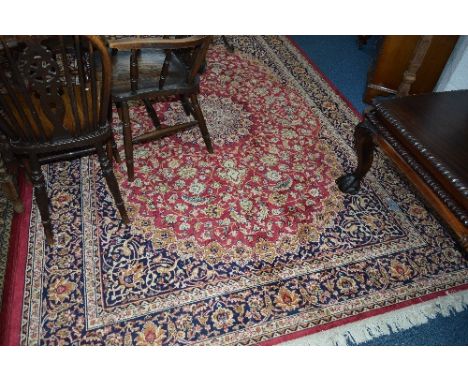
x=426, y=136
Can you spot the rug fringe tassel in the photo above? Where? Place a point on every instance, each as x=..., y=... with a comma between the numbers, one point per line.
x=388, y=323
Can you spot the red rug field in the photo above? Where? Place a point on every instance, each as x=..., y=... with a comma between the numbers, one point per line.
x=253, y=244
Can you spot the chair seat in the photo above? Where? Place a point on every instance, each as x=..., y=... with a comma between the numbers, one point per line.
x=150, y=64
x=434, y=129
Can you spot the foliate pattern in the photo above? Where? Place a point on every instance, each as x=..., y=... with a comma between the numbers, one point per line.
x=240, y=246
x=267, y=188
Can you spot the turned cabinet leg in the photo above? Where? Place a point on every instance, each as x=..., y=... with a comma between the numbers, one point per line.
x=364, y=142
x=201, y=122
x=112, y=183
x=9, y=189
x=40, y=191
x=128, y=141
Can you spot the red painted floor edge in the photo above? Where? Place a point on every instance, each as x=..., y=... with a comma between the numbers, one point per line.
x=10, y=315
x=325, y=78
x=360, y=316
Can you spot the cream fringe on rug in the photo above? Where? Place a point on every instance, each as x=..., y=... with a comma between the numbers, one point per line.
x=387, y=323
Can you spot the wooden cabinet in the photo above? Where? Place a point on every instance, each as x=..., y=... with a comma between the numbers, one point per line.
x=395, y=56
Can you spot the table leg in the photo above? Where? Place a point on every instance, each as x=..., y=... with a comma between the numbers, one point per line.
x=364, y=142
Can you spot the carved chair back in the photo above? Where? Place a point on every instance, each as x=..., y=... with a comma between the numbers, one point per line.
x=53, y=88
x=190, y=50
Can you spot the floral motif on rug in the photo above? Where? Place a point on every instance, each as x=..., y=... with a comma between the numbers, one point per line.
x=221, y=208
x=237, y=247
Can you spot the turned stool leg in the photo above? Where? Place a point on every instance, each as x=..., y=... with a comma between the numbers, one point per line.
x=364, y=142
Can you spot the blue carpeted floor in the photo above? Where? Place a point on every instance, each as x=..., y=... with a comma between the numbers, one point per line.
x=439, y=331
x=342, y=62
x=339, y=58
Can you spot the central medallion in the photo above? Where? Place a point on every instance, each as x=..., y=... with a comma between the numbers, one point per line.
x=264, y=191
x=228, y=122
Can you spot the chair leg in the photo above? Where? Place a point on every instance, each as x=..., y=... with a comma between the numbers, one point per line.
x=42, y=200
x=201, y=122
x=112, y=151
x=9, y=189
x=364, y=142
x=226, y=43
x=115, y=151
x=128, y=141
x=152, y=113
x=110, y=154
x=118, y=105
x=112, y=183
x=186, y=105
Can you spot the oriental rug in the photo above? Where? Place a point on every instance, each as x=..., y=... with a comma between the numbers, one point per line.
x=253, y=244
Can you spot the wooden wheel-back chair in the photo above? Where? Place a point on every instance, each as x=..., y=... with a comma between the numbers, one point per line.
x=54, y=105
x=158, y=69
